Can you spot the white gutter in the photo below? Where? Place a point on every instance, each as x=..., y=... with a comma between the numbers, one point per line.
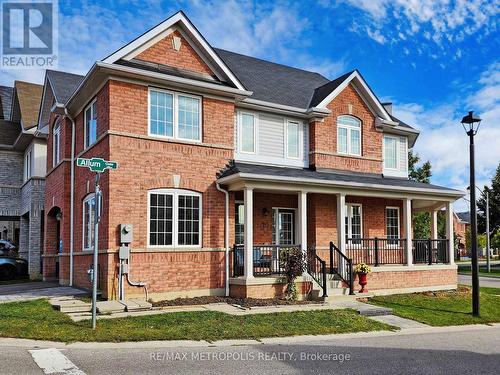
x=72, y=197
x=226, y=234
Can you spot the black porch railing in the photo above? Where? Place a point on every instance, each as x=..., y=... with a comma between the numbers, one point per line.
x=376, y=251
x=342, y=266
x=316, y=268
x=266, y=259
x=429, y=251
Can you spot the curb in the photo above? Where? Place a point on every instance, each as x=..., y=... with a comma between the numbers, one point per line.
x=290, y=340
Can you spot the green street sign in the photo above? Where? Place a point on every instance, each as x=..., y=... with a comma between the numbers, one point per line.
x=96, y=164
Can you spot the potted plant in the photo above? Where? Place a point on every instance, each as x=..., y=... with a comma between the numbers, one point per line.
x=362, y=270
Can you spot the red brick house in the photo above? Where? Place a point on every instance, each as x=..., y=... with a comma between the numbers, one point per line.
x=223, y=160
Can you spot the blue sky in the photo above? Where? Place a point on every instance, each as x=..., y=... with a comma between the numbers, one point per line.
x=434, y=59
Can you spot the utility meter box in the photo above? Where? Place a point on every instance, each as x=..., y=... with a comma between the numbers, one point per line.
x=126, y=233
x=124, y=253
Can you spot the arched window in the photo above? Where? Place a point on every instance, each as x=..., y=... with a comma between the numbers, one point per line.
x=174, y=218
x=89, y=211
x=348, y=135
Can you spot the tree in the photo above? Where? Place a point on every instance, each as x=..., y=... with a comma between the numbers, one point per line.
x=420, y=173
x=494, y=195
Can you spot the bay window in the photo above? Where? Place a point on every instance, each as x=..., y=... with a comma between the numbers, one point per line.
x=174, y=115
x=390, y=152
x=174, y=218
x=348, y=135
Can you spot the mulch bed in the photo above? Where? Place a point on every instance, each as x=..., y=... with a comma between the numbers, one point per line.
x=244, y=302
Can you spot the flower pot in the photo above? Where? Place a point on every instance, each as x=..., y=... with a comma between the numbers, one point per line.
x=362, y=282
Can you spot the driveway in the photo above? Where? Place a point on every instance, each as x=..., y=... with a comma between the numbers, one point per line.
x=35, y=290
x=490, y=282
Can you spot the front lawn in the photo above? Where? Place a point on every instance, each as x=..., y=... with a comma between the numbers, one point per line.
x=444, y=308
x=38, y=320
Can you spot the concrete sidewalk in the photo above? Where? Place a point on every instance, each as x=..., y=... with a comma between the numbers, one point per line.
x=30, y=291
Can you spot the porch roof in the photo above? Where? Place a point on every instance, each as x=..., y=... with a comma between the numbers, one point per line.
x=237, y=170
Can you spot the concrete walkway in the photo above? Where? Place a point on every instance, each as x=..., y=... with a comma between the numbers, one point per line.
x=30, y=291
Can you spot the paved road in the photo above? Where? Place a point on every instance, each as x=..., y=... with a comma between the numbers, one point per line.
x=465, y=351
x=490, y=282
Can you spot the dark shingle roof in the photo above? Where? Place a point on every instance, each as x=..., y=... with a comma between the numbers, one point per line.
x=328, y=175
x=401, y=123
x=63, y=84
x=322, y=92
x=273, y=82
x=6, y=94
x=464, y=216
x=9, y=131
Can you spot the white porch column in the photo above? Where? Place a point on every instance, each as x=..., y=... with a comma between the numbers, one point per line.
x=434, y=225
x=302, y=205
x=341, y=222
x=449, y=232
x=407, y=226
x=248, y=235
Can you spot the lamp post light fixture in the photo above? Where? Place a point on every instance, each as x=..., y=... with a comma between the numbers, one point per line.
x=471, y=125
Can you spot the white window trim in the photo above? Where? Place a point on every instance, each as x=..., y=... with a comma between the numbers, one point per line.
x=56, y=157
x=175, y=205
x=85, y=200
x=239, y=202
x=255, y=132
x=397, y=153
x=28, y=164
x=397, y=244
x=300, y=139
x=175, y=119
x=348, y=212
x=85, y=145
x=295, y=234
x=349, y=128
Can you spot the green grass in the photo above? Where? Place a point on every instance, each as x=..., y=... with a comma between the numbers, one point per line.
x=444, y=308
x=466, y=270
x=38, y=320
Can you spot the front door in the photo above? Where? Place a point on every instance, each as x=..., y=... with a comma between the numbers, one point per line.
x=283, y=226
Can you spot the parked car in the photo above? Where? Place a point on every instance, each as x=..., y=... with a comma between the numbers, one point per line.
x=6, y=246
x=11, y=266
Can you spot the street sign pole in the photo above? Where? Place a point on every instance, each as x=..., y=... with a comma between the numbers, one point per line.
x=98, y=166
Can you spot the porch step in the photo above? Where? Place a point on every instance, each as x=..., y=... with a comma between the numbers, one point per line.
x=70, y=305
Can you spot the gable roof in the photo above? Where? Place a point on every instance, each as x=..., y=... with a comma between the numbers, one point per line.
x=9, y=131
x=6, y=94
x=273, y=82
x=321, y=92
x=206, y=51
x=28, y=95
x=464, y=216
x=63, y=84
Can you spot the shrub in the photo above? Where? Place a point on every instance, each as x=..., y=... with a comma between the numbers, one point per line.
x=293, y=265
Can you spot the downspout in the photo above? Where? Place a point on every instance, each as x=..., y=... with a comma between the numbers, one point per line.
x=226, y=234
x=72, y=196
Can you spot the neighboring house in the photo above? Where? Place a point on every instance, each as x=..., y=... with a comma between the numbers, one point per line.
x=22, y=176
x=461, y=222
x=302, y=161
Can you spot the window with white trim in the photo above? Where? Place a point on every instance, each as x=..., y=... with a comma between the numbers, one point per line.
x=56, y=144
x=28, y=164
x=292, y=140
x=90, y=130
x=248, y=131
x=348, y=135
x=174, y=115
x=239, y=223
x=390, y=152
x=392, y=223
x=353, y=221
x=89, y=211
x=174, y=218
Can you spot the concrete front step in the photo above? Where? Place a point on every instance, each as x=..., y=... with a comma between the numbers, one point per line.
x=109, y=307
x=70, y=305
x=136, y=305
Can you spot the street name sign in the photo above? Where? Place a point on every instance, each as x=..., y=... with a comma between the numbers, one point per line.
x=96, y=164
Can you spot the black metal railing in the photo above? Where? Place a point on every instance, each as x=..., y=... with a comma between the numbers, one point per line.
x=342, y=266
x=430, y=251
x=266, y=259
x=376, y=251
x=316, y=268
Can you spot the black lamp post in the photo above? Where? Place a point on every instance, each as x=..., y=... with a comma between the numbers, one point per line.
x=471, y=125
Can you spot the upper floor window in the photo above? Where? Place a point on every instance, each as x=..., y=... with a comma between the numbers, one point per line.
x=174, y=115
x=390, y=152
x=89, y=211
x=90, y=124
x=56, y=144
x=248, y=133
x=174, y=218
x=292, y=139
x=28, y=161
x=348, y=135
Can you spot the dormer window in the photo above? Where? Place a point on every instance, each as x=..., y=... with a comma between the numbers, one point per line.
x=348, y=135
